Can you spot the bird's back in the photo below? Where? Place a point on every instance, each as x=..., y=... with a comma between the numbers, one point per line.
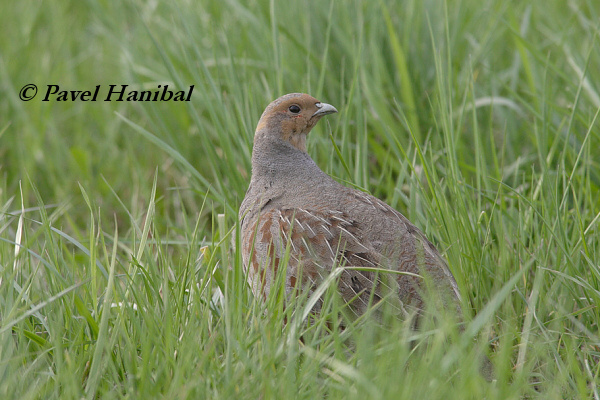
x=325, y=225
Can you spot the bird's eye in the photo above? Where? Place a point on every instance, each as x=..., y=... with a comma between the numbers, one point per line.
x=294, y=108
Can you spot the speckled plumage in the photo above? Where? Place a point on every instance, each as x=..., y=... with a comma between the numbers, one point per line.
x=292, y=202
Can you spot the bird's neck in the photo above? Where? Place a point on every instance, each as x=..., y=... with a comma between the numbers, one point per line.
x=276, y=160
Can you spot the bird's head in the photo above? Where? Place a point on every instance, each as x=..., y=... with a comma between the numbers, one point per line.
x=290, y=118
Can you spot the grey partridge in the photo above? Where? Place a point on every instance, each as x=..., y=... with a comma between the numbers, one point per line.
x=292, y=205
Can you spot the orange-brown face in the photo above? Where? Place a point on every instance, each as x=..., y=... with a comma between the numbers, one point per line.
x=292, y=117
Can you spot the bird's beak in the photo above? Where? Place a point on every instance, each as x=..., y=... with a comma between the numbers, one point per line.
x=324, y=109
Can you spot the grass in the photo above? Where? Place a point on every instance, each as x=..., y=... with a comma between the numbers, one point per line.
x=478, y=121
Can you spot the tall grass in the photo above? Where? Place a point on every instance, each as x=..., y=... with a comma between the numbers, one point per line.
x=478, y=121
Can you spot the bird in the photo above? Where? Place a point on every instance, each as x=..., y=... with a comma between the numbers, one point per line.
x=297, y=220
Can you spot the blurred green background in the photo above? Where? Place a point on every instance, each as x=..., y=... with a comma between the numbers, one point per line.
x=477, y=120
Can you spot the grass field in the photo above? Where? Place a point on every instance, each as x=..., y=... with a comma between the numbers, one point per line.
x=477, y=120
